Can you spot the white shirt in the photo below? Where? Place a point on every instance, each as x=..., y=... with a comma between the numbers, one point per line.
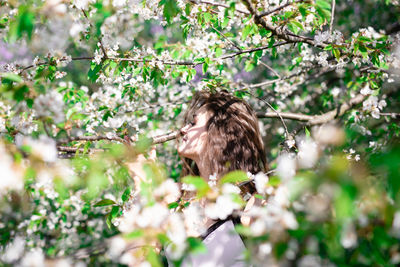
x=224, y=248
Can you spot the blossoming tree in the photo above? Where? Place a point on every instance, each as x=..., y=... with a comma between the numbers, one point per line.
x=87, y=85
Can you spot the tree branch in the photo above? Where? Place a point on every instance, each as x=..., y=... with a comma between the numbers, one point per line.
x=90, y=138
x=100, y=41
x=316, y=119
x=266, y=13
x=70, y=149
x=226, y=38
x=285, y=115
x=155, y=140
x=218, y=5
x=139, y=60
x=249, y=51
x=332, y=16
x=165, y=137
x=279, y=31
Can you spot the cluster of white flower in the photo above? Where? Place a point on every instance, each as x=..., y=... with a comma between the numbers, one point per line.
x=50, y=105
x=82, y=4
x=24, y=123
x=12, y=178
x=322, y=59
x=225, y=203
x=374, y=106
x=327, y=37
x=44, y=148
x=351, y=152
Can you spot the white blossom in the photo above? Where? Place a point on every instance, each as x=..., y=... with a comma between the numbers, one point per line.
x=261, y=180
x=50, y=105
x=286, y=168
x=13, y=250
x=308, y=153
x=348, y=237
x=222, y=208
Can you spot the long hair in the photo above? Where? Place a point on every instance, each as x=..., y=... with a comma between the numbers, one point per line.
x=234, y=141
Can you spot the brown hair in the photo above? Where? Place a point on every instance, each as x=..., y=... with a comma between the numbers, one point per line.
x=234, y=141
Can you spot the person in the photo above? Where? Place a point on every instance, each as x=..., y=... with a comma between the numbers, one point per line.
x=221, y=134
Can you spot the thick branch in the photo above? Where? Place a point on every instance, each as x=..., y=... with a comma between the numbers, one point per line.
x=316, y=119
x=285, y=115
x=326, y=117
x=165, y=137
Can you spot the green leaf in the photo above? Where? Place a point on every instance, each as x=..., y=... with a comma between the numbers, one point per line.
x=295, y=26
x=86, y=147
x=135, y=234
x=218, y=52
x=11, y=77
x=93, y=73
x=125, y=196
x=205, y=68
x=196, y=246
x=153, y=258
x=323, y=4
x=104, y=202
x=173, y=205
x=307, y=132
x=336, y=53
x=234, y=177
x=191, y=74
x=225, y=22
x=199, y=183
x=23, y=23
x=249, y=66
x=364, y=52
x=207, y=17
x=171, y=9
x=364, y=39
x=19, y=93
x=246, y=31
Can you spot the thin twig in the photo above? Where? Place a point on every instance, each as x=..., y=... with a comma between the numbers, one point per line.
x=74, y=149
x=155, y=140
x=48, y=62
x=250, y=51
x=271, y=69
x=390, y=114
x=332, y=16
x=46, y=130
x=276, y=112
x=226, y=38
x=90, y=138
x=101, y=43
